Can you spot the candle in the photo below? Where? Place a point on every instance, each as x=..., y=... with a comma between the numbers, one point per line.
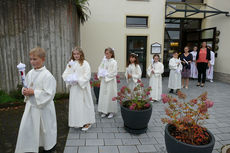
x=21, y=68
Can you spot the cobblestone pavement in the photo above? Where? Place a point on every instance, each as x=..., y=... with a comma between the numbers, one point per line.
x=109, y=136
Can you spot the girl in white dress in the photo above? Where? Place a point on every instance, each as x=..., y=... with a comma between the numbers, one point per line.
x=194, y=72
x=107, y=72
x=154, y=71
x=133, y=71
x=77, y=75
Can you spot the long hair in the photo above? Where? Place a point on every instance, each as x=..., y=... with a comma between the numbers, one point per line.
x=136, y=59
x=82, y=56
x=111, y=51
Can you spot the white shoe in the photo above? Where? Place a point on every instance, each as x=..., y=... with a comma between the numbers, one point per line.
x=110, y=115
x=103, y=115
x=211, y=80
x=86, y=128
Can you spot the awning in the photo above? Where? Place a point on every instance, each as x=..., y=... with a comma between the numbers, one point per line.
x=191, y=10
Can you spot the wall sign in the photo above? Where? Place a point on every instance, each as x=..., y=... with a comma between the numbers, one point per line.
x=156, y=48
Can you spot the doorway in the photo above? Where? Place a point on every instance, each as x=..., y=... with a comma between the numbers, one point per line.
x=138, y=45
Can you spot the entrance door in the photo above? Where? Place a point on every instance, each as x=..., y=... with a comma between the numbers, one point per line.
x=138, y=45
x=196, y=37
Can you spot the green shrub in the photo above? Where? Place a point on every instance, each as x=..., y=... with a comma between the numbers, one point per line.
x=5, y=98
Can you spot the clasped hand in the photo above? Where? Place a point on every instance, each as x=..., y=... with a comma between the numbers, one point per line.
x=27, y=91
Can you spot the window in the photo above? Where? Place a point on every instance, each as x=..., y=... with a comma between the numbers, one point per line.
x=136, y=21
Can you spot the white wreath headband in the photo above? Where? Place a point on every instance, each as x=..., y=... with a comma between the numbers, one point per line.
x=134, y=54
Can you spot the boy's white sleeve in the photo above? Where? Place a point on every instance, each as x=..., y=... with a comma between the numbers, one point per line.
x=172, y=64
x=84, y=78
x=46, y=94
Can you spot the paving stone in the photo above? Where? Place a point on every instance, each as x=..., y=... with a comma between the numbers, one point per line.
x=224, y=136
x=111, y=142
x=146, y=148
x=73, y=135
x=155, y=134
x=148, y=141
x=109, y=130
x=95, y=129
x=88, y=135
x=71, y=150
x=104, y=124
x=144, y=135
x=106, y=135
x=122, y=135
x=94, y=142
x=130, y=141
x=127, y=149
x=108, y=149
x=88, y=149
x=73, y=142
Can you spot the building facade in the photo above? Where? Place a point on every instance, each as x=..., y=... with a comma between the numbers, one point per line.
x=140, y=26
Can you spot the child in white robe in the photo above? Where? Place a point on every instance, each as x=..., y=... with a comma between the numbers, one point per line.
x=38, y=125
x=154, y=71
x=194, y=72
x=209, y=72
x=133, y=71
x=77, y=75
x=175, y=67
x=107, y=72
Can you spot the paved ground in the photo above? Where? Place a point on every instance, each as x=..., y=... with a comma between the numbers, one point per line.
x=109, y=136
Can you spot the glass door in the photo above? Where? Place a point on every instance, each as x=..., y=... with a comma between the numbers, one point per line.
x=138, y=45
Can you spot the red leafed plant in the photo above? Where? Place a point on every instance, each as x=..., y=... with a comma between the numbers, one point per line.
x=186, y=118
x=95, y=82
x=138, y=99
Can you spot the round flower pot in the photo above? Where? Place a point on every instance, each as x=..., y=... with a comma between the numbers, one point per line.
x=136, y=121
x=96, y=92
x=175, y=146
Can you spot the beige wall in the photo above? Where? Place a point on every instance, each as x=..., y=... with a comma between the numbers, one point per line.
x=222, y=23
x=106, y=27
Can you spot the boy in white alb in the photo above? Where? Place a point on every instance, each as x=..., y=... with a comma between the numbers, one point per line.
x=175, y=67
x=38, y=125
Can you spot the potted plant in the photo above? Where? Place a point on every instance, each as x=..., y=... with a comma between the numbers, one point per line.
x=135, y=106
x=95, y=84
x=184, y=132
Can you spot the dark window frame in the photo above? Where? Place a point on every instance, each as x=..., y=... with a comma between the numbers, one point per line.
x=144, y=25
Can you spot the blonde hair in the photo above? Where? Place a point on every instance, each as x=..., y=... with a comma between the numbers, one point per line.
x=38, y=51
x=82, y=56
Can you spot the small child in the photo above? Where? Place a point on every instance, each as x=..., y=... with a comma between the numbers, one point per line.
x=175, y=67
x=38, y=125
x=133, y=71
x=107, y=73
x=77, y=75
x=194, y=72
x=154, y=71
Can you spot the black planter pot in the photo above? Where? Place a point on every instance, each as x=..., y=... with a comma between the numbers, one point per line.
x=175, y=146
x=136, y=121
x=96, y=92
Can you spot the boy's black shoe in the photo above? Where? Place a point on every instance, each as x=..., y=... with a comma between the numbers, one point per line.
x=53, y=150
x=171, y=91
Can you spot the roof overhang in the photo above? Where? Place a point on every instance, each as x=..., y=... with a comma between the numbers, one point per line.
x=191, y=10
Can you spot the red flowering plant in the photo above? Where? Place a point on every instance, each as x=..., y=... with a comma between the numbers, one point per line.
x=186, y=118
x=138, y=99
x=95, y=82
